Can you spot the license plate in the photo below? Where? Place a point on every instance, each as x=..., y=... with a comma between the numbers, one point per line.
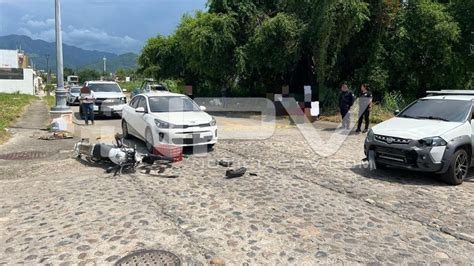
x=205, y=135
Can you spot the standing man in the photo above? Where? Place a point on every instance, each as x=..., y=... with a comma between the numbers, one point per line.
x=87, y=104
x=346, y=100
x=365, y=106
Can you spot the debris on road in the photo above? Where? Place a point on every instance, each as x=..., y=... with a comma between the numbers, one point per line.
x=217, y=262
x=235, y=173
x=57, y=136
x=58, y=124
x=171, y=151
x=225, y=163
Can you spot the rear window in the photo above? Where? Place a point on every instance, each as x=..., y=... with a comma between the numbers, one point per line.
x=172, y=104
x=105, y=87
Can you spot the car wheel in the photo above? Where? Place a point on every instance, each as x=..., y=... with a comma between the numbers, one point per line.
x=125, y=133
x=458, y=168
x=210, y=147
x=150, y=144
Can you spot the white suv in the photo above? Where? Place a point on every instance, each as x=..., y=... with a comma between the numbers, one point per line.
x=110, y=98
x=433, y=134
x=168, y=118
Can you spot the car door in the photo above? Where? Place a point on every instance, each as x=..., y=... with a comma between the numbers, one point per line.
x=130, y=115
x=141, y=123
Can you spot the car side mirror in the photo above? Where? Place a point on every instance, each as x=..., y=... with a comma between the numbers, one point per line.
x=203, y=108
x=397, y=112
x=140, y=110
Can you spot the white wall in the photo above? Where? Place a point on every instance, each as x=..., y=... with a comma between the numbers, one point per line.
x=25, y=86
x=9, y=58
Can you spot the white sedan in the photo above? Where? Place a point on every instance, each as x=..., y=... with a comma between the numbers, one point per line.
x=168, y=118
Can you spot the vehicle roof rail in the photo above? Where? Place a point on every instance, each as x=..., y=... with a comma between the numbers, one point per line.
x=452, y=92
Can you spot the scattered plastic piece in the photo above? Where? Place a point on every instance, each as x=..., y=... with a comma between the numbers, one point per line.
x=225, y=163
x=236, y=173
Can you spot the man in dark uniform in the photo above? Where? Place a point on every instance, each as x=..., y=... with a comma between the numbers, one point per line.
x=365, y=106
x=346, y=100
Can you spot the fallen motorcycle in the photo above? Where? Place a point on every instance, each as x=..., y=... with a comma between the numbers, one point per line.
x=122, y=157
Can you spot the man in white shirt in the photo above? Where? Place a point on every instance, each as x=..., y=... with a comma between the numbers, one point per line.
x=87, y=104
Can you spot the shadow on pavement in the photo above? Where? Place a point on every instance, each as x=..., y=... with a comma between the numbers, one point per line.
x=141, y=147
x=77, y=117
x=404, y=177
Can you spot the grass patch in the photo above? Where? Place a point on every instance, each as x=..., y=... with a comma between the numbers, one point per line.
x=381, y=111
x=51, y=100
x=12, y=106
x=377, y=115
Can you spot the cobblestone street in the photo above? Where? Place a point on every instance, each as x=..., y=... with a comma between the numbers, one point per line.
x=292, y=207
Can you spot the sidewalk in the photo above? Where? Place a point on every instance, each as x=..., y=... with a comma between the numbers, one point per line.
x=24, y=151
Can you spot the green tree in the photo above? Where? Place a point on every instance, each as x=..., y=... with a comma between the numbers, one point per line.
x=120, y=74
x=274, y=50
x=88, y=74
x=69, y=72
x=207, y=43
x=425, y=36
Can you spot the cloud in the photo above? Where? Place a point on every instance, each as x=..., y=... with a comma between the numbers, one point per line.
x=40, y=23
x=86, y=38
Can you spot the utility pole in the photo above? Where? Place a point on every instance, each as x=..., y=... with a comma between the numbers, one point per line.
x=48, y=72
x=61, y=94
x=105, y=66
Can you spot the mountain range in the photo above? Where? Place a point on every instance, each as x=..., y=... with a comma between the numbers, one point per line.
x=74, y=57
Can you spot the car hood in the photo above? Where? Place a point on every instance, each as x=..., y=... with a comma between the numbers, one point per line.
x=408, y=128
x=108, y=95
x=184, y=118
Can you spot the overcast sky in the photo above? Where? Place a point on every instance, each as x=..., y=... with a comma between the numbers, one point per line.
x=117, y=26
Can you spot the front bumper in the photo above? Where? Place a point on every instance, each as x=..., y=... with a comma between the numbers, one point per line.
x=411, y=156
x=107, y=109
x=187, y=137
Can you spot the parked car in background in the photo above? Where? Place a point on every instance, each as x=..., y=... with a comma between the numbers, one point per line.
x=110, y=98
x=149, y=85
x=72, y=80
x=168, y=118
x=433, y=134
x=73, y=95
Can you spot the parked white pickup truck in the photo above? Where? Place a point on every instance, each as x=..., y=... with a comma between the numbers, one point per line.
x=433, y=134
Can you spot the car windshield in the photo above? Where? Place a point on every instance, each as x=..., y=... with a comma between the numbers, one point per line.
x=172, y=104
x=75, y=90
x=443, y=110
x=104, y=88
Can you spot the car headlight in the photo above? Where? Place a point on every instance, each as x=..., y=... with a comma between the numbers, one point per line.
x=162, y=124
x=433, y=142
x=213, y=122
x=370, y=135
x=123, y=100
